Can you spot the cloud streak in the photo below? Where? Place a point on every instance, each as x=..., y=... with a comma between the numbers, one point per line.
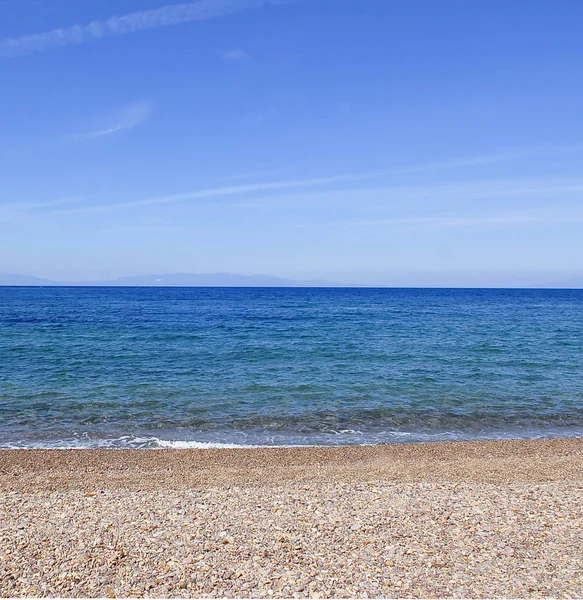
x=166, y=16
x=383, y=196
x=493, y=189
x=236, y=55
x=499, y=157
x=128, y=117
x=323, y=181
x=468, y=221
x=27, y=206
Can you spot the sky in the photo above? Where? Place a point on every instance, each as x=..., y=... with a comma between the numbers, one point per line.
x=376, y=142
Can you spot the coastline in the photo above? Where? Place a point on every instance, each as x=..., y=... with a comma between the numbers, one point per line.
x=445, y=519
x=495, y=461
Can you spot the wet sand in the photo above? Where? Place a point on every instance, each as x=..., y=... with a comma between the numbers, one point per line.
x=477, y=519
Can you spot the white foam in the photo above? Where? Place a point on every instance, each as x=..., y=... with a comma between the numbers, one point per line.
x=181, y=444
x=123, y=443
x=129, y=442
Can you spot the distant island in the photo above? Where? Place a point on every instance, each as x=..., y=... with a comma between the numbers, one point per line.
x=234, y=280
x=172, y=279
x=576, y=282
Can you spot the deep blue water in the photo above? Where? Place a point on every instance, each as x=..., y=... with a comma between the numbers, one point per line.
x=150, y=367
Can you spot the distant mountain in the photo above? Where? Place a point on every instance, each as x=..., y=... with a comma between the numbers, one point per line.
x=10, y=279
x=575, y=283
x=219, y=280
x=173, y=279
x=212, y=279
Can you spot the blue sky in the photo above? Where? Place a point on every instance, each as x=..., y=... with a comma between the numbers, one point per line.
x=402, y=142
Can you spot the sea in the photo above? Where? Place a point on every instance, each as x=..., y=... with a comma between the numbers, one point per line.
x=154, y=367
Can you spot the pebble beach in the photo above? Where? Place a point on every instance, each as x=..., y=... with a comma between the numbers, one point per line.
x=469, y=519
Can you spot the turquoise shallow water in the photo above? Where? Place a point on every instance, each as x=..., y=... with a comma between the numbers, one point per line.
x=158, y=367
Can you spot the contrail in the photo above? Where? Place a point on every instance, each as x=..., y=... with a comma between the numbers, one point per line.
x=173, y=14
x=235, y=190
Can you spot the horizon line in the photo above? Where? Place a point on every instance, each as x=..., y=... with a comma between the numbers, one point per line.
x=298, y=287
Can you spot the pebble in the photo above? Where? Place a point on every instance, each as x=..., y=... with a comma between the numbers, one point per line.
x=410, y=540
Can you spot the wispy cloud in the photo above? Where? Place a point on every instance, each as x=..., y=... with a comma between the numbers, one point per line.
x=27, y=206
x=381, y=197
x=501, y=189
x=337, y=179
x=469, y=220
x=492, y=189
x=124, y=118
x=211, y=193
x=237, y=55
x=123, y=230
x=498, y=157
x=259, y=173
x=166, y=16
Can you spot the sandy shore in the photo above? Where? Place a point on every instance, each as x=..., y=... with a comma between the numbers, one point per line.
x=477, y=519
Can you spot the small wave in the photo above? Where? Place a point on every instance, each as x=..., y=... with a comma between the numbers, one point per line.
x=119, y=443
x=339, y=439
x=183, y=445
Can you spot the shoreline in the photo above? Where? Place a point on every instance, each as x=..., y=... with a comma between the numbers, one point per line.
x=178, y=444
x=495, y=461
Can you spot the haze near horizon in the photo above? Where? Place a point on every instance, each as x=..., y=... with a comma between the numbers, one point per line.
x=367, y=143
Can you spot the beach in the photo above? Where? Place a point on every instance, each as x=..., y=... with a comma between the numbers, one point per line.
x=468, y=519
